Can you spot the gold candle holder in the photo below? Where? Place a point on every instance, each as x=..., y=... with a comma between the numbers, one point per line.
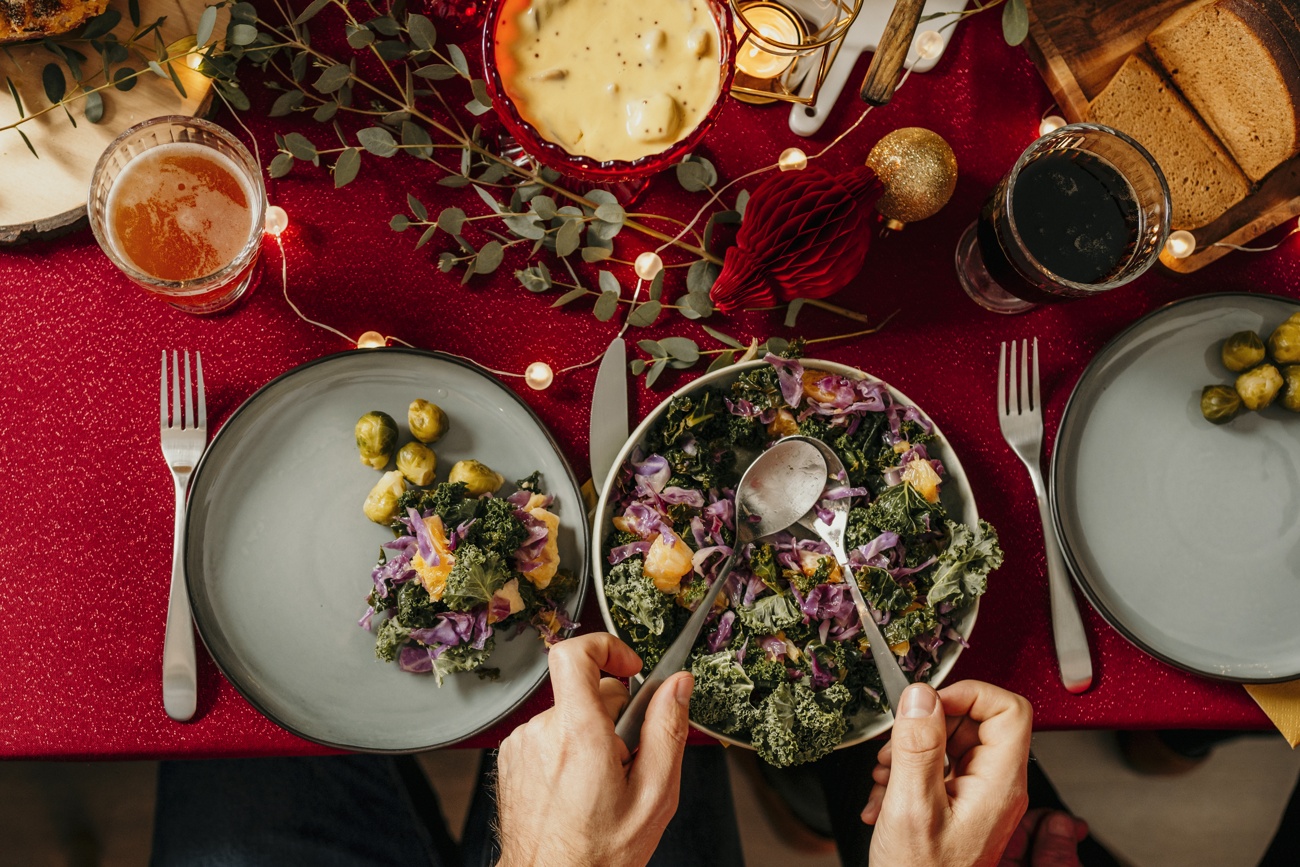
x=784, y=48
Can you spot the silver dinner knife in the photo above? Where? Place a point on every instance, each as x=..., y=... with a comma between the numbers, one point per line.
x=608, y=412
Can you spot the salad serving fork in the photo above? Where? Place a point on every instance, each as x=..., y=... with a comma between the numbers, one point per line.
x=183, y=437
x=1020, y=415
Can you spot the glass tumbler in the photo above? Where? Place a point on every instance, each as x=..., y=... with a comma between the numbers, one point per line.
x=223, y=281
x=1084, y=210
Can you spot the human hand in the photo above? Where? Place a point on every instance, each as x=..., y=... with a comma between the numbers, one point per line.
x=1045, y=838
x=568, y=791
x=923, y=819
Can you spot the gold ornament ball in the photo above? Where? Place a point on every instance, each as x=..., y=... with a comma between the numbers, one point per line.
x=919, y=172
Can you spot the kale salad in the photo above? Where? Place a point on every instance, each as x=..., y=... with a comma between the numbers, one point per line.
x=782, y=661
x=462, y=568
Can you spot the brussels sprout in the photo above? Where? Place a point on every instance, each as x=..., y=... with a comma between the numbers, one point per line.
x=1284, y=342
x=479, y=478
x=426, y=420
x=1220, y=403
x=1291, y=388
x=1242, y=351
x=417, y=462
x=381, y=502
x=1258, y=387
x=376, y=438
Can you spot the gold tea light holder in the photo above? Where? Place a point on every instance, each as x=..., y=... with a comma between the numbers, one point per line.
x=784, y=48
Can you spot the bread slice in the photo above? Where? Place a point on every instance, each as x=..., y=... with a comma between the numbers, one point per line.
x=1233, y=65
x=1203, y=180
x=31, y=19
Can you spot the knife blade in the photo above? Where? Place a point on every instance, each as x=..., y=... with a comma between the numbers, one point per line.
x=609, y=427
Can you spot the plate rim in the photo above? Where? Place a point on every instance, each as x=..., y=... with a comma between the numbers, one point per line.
x=885, y=720
x=1057, y=469
x=584, y=531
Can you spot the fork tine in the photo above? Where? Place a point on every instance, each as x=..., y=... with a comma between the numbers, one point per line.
x=203, y=401
x=188, y=421
x=1037, y=406
x=176, y=392
x=1024, y=377
x=164, y=388
x=1013, y=405
x=1001, y=380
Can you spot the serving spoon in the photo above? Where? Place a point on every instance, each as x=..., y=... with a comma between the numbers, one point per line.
x=781, y=485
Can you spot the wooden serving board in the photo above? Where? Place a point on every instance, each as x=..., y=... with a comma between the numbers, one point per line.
x=47, y=196
x=1078, y=45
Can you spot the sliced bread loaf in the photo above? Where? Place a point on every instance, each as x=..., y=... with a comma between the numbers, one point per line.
x=1203, y=181
x=1233, y=65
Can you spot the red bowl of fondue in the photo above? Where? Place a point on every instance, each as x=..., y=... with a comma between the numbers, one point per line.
x=608, y=90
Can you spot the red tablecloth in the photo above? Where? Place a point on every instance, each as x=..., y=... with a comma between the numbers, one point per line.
x=85, y=550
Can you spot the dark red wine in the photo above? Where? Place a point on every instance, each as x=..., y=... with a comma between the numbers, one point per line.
x=1077, y=217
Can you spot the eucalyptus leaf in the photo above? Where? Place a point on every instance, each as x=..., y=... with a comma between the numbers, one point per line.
x=637, y=366
x=346, y=167
x=606, y=306
x=653, y=374
x=645, y=314
x=657, y=286
x=568, y=237
x=446, y=261
x=1015, y=22
x=458, y=60
x=698, y=304
x=424, y=239
x=701, y=276
x=488, y=199
x=436, y=72
x=378, y=141
x=609, y=283
x=13, y=91
x=417, y=140
x=477, y=108
x=133, y=10
x=395, y=118
x=333, y=78
x=281, y=165
x=28, y=142
x=691, y=176
x=286, y=102
x=742, y=199
x=207, y=21
x=399, y=223
x=651, y=348
x=325, y=112
x=300, y=146
x=611, y=212
x=777, y=345
x=243, y=11
x=601, y=197
x=723, y=338
x=124, y=78
x=533, y=280
x=423, y=33
x=241, y=34
x=55, y=84
x=543, y=206
x=603, y=230
x=310, y=12
x=724, y=359
x=359, y=37
x=451, y=220
x=453, y=181
x=489, y=258
x=298, y=66
x=385, y=25
x=792, y=312
x=570, y=296
x=102, y=24
x=596, y=254
x=682, y=348
x=417, y=207
x=391, y=49
x=524, y=225
x=94, y=106
x=479, y=87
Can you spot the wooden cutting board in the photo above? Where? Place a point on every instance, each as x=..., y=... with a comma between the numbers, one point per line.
x=1078, y=45
x=47, y=196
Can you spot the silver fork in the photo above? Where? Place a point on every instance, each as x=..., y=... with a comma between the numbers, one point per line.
x=183, y=440
x=1021, y=417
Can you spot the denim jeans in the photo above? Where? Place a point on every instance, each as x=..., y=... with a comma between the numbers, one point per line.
x=361, y=810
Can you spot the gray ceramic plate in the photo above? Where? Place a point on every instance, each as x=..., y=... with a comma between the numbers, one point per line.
x=278, y=553
x=955, y=494
x=1183, y=534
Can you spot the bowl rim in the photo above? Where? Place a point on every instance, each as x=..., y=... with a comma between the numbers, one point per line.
x=957, y=482
x=587, y=168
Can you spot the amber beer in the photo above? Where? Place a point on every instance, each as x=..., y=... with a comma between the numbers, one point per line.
x=178, y=205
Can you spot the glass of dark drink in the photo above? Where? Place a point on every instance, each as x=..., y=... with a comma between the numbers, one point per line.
x=1085, y=209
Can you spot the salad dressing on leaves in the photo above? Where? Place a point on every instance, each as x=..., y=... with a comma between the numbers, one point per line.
x=612, y=79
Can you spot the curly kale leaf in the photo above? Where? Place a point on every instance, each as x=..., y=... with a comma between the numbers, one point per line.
x=496, y=528
x=862, y=680
x=746, y=432
x=463, y=657
x=475, y=577
x=900, y=509
x=416, y=609
x=531, y=483
x=721, y=695
x=763, y=565
x=796, y=725
x=770, y=615
x=767, y=674
x=634, y=598
x=961, y=574
x=907, y=626
x=820, y=575
x=702, y=416
x=389, y=639
x=448, y=501
x=760, y=387
x=710, y=466
x=885, y=593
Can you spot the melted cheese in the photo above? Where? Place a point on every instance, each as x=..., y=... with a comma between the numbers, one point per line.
x=611, y=79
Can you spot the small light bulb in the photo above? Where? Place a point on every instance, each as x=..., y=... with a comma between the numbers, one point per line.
x=1051, y=123
x=276, y=220
x=648, y=265
x=792, y=160
x=539, y=376
x=371, y=340
x=1181, y=244
x=929, y=45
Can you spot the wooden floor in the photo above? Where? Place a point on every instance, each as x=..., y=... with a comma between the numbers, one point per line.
x=1223, y=813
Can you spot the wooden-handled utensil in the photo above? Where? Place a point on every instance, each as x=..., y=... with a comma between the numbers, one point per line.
x=887, y=62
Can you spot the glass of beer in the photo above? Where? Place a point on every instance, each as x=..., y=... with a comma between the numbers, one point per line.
x=1084, y=210
x=178, y=205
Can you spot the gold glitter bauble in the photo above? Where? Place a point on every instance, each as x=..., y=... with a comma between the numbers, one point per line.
x=919, y=172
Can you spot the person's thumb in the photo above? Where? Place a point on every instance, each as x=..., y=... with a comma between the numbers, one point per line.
x=919, y=740
x=657, y=770
x=1055, y=842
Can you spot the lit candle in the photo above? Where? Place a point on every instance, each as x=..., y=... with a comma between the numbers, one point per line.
x=771, y=24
